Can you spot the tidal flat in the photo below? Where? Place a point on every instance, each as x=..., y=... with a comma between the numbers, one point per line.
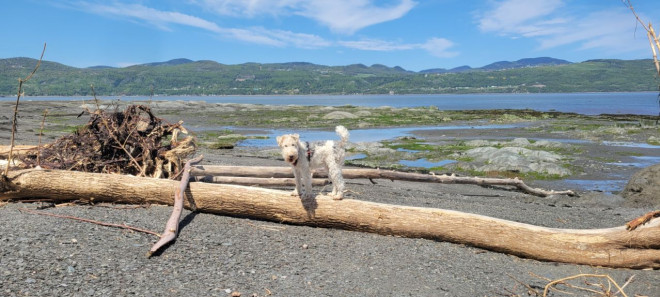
x=584, y=148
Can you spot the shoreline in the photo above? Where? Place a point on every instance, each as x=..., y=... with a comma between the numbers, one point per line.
x=586, y=103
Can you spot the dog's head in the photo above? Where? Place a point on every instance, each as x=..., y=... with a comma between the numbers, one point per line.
x=289, y=145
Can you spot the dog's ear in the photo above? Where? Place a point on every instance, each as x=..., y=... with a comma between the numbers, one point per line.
x=279, y=140
x=296, y=137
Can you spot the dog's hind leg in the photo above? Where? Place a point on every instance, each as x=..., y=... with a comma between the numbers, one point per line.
x=335, y=176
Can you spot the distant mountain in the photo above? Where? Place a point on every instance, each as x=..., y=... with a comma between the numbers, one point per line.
x=529, y=62
x=168, y=63
x=187, y=77
x=501, y=65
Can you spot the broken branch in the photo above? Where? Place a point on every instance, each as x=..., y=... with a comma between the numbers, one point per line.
x=172, y=226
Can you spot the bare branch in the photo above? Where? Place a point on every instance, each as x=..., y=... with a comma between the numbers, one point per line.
x=172, y=225
x=18, y=98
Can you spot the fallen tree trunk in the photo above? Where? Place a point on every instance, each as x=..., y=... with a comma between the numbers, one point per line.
x=351, y=173
x=613, y=247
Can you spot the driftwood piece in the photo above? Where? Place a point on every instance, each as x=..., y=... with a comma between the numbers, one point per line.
x=172, y=225
x=256, y=181
x=612, y=247
x=4, y=150
x=352, y=173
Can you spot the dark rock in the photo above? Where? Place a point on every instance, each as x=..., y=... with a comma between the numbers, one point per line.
x=643, y=187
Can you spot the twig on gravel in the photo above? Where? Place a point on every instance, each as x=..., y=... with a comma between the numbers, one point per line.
x=530, y=289
x=269, y=228
x=604, y=291
x=18, y=98
x=124, y=226
x=172, y=225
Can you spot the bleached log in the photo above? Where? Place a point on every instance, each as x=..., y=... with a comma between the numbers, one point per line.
x=255, y=181
x=612, y=247
x=352, y=173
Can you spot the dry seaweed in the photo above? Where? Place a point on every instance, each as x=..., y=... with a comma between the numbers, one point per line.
x=130, y=142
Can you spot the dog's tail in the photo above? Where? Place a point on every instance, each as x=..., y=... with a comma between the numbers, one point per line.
x=343, y=133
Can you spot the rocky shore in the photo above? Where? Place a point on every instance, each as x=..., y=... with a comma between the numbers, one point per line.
x=225, y=256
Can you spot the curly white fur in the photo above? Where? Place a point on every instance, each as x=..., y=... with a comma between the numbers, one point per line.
x=303, y=156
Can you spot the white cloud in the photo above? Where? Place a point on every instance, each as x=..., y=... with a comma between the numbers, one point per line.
x=376, y=45
x=438, y=47
x=553, y=24
x=155, y=17
x=343, y=16
x=519, y=16
x=167, y=20
x=164, y=19
x=592, y=32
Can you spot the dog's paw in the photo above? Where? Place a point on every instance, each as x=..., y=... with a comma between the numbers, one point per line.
x=337, y=197
x=295, y=193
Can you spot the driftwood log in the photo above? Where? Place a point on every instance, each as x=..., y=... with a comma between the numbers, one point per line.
x=612, y=247
x=267, y=172
x=256, y=181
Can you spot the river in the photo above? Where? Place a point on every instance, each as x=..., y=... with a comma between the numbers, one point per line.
x=644, y=103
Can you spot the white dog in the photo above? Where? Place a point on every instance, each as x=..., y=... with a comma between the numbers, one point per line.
x=305, y=156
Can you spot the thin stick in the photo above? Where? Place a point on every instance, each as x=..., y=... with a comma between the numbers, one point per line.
x=172, y=225
x=123, y=226
x=18, y=98
x=653, y=38
x=552, y=283
x=41, y=132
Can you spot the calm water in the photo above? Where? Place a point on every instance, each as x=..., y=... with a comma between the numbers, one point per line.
x=584, y=103
x=356, y=135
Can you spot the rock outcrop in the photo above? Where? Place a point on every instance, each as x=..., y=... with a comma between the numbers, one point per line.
x=643, y=188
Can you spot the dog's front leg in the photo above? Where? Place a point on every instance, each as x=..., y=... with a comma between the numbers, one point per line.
x=296, y=176
x=306, y=179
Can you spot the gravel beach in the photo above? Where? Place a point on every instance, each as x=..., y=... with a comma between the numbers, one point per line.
x=228, y=256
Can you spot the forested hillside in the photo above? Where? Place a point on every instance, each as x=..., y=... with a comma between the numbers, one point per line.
x=185, y=77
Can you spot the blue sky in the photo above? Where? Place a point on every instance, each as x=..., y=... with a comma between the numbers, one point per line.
x=413, y=34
